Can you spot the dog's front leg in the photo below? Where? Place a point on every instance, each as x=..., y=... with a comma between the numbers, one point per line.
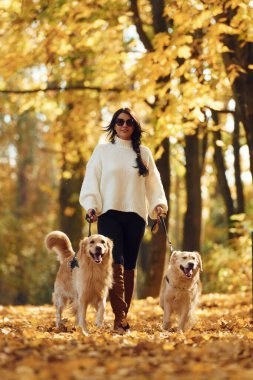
x=100, y=313
x=82, y=308
x=166, y=315
x=58, y=317
x=186, y=319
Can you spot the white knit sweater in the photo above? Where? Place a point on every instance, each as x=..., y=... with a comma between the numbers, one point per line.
x=112, y=182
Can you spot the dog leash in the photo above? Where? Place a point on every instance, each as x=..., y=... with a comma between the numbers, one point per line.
x=89, y=220
x=74, y=262
x=154, y=229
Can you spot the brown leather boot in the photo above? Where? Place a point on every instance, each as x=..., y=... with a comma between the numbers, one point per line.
x=116, y=295
x=129, y=286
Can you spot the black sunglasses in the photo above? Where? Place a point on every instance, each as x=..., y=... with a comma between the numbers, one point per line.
x=120, y=122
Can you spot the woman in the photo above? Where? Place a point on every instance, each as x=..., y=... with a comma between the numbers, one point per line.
x=123, y=186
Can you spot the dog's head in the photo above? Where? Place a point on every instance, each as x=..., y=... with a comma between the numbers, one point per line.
x=187, y=263
x=96, y=247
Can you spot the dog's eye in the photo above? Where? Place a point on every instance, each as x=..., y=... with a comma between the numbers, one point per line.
x=92, y=242
x=184, y=257
x=102, y=241
x=193, y=258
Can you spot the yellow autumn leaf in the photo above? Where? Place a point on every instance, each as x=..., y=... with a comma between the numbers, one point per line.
x=168, y=346
x=184, y=52
x=69, y=211
x=66, y=174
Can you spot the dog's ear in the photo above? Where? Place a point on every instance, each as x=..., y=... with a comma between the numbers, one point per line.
x=173, y=257
x=83, y=245
x=199, y=260
x=109, y=243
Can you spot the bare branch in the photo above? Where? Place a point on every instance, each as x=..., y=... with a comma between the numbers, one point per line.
x=159, y=21
x=151, y=105
x=218, y=111
x=61, y=89
x=138, y=23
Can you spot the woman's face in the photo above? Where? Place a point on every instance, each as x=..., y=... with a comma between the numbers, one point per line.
x=124, y=126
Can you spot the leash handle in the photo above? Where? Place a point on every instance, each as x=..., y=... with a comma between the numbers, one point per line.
x=89, y=220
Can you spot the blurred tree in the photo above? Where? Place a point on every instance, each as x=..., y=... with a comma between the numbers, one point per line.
x=236, y=205
x=238, y=61
x=71, y=220
x=221, y=170
x=152, y=271
x=28, y=202
x=240, y=204
x=151, y=263
x=192, y=218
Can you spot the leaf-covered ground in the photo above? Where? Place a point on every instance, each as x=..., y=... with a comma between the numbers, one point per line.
x=220, y=345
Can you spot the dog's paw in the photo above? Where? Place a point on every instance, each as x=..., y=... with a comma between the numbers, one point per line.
x=166, y=325
x=185, y=327
x=82, y=330
x=61, y=328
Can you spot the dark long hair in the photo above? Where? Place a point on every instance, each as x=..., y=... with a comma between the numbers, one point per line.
x=136, y=138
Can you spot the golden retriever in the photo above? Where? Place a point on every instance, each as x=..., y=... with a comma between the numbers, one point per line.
x=181, y=288
x=85, y=285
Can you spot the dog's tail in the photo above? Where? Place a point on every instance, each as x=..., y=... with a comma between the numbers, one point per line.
x=59, y=241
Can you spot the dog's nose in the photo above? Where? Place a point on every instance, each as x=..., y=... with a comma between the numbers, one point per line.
x=190, y=265
x=98, y=249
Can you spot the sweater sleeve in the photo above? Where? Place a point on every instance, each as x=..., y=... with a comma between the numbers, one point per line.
x=90, y=196
x=154, y=188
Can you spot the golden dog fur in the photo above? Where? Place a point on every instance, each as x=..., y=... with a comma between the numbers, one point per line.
x=85, y=285
x=181, y=289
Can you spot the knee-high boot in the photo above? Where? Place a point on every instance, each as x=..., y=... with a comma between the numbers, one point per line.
x=129, y=286
x=116, y=295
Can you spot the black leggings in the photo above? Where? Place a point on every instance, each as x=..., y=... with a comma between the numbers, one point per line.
x=126, y=229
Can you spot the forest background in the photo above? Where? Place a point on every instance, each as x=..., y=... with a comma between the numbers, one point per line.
x=186, y=69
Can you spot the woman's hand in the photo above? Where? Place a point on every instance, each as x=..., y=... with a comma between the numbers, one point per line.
x=92, y=215
x=159, y=211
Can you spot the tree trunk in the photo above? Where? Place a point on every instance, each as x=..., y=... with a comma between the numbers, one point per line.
x=192, y=219
x=26, y=129
x=71, y=219
x=159, y=22
x=177, y=237
x=237, y=167
x=151, y=279
x=241, y=55
x=242, y=91
x=25, y=159
x=151, y=263
x=221, y=175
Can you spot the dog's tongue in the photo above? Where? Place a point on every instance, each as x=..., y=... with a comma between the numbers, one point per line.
x=97, y=258
x=188, y=272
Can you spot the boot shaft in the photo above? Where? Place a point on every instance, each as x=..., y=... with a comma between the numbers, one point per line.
x=117, y=293
x=129, y=277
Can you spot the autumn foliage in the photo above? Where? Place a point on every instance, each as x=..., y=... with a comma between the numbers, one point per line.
x=219, y=346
